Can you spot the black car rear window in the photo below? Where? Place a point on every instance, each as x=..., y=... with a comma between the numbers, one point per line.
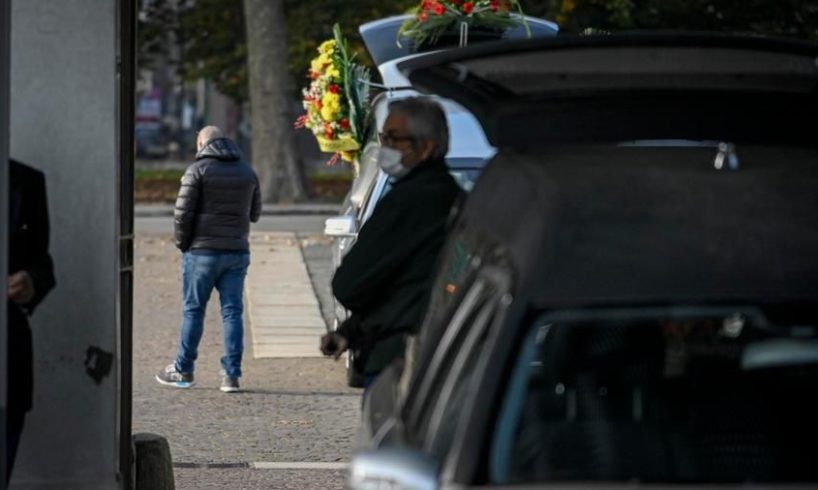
x=716, y=397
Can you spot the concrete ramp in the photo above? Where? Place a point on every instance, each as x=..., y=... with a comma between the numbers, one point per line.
x=283, y=311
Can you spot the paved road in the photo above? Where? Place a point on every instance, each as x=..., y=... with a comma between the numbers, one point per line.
x=290, y=410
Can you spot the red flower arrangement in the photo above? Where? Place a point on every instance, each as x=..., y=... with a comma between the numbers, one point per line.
x=432, y=18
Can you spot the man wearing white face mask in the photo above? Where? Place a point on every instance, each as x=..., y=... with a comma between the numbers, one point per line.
x=385, y=279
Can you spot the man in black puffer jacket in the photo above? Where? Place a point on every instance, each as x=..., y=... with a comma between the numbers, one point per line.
x=218, y=199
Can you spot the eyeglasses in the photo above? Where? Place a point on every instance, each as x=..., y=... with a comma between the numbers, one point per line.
x=388, y=139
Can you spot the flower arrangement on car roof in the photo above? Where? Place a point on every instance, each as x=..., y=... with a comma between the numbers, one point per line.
x=335, y=102
x=433, y=18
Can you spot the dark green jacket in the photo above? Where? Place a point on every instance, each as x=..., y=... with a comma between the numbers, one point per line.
x=386, y=277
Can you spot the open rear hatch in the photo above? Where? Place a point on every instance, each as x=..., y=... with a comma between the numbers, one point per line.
x=630, y=86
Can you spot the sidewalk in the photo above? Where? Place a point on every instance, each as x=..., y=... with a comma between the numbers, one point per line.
x=282, y=308
x=302, y=209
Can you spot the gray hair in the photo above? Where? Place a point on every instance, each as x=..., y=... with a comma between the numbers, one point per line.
x=208, y=133
x=425, y=120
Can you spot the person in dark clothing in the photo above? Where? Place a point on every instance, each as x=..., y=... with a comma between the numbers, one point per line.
x=218, y=198
x=385, y=279
x=31, y=277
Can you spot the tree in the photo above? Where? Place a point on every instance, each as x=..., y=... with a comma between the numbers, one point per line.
x=790, y=18
x=211, y=38
x=213, y=32
x=274, y=157
x=248, y=53
x=311, y=23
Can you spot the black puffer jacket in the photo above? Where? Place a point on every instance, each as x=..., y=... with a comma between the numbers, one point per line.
x=218, y=199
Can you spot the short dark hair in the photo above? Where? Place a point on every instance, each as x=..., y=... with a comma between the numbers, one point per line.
x=425, y=120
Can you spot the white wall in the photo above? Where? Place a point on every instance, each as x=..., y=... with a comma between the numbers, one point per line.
x=63, y=121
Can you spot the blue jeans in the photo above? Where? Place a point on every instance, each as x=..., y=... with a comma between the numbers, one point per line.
x=200, y=274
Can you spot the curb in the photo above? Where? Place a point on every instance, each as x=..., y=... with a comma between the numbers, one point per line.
x=153, y=467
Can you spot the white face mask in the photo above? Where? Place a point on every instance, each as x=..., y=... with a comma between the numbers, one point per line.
x=389, y=161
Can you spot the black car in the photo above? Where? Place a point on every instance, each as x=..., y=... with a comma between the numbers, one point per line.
x=630, y=294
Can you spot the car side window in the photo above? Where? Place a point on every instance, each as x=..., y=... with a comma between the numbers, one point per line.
x=457, y=390
x=367, y=168
x=660, y=395
x=465, y=178
x=367, y=176
x=451, y=338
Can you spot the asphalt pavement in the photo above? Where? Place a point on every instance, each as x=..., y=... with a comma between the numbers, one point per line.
x=293, y=425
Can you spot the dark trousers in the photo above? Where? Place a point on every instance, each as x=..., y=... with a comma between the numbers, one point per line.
x=14, y=429
x=20, y=381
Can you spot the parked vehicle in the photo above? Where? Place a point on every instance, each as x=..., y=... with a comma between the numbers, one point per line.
x=618, y=303
x=151, y=140
x=380, y=37
x=469, y=149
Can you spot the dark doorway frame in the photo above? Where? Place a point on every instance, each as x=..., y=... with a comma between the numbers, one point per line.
x=126, y=77
x=5, y=41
